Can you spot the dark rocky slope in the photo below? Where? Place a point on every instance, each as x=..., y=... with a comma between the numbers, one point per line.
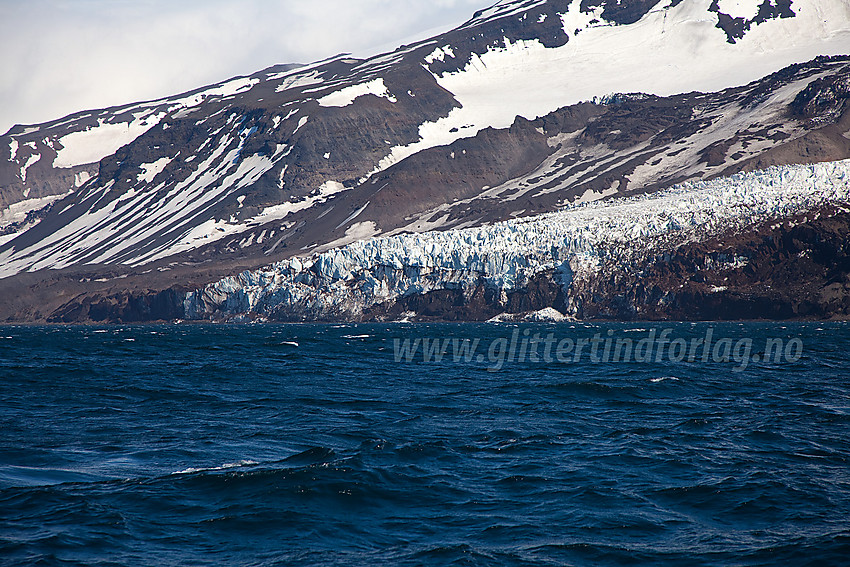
x=797, y=270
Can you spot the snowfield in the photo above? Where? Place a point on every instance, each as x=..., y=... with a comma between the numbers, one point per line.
x=94, y=144
x=671, y=50
x=348, y=95
x=576, y=243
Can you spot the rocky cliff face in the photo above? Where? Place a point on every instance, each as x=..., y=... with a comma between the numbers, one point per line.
x=795, y=269
x=504, y=117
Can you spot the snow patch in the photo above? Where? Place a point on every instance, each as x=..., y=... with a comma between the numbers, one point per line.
x=81, y=178
x=353, y=215
x=151, y=170
x=347, y=95
x=229, y=88
x=357, y=232
x=590, y=195
x=275, y=212
x=30, y=161
x=300, y=80
x=17, y=213
x=502, y=10
x=94, y=144
x=440, y=54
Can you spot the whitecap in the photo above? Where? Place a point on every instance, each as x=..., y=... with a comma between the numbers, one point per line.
x=225, y=466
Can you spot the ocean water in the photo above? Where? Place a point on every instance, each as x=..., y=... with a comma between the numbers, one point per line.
x=346, y=445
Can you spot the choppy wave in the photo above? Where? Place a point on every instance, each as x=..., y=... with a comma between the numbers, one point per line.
x=225, y=466
x=167, y=451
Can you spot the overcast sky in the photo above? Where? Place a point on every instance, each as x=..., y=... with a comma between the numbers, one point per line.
x=61, y=56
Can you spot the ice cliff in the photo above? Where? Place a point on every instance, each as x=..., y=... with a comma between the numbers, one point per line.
x=574, y=244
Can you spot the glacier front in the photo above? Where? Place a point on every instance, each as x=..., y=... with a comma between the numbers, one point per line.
x=575, y=245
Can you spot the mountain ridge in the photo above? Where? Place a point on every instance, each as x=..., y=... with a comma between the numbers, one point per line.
x=435, y=135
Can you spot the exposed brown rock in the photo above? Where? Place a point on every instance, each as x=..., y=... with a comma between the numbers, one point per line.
x=796, y=269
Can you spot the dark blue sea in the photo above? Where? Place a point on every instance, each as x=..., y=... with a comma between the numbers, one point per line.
x=345, y=445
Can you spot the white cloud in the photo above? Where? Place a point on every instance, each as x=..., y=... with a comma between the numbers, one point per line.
x=61, y=56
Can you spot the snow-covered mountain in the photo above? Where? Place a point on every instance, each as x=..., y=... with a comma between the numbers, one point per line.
x=529, y=107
